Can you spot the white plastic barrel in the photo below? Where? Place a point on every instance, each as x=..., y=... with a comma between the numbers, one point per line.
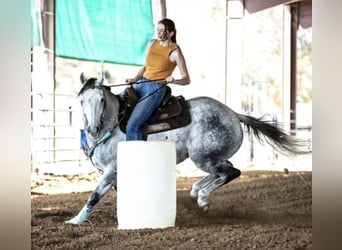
x=146, y=184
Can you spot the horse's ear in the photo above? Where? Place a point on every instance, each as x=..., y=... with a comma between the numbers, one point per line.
x=99, y=81
x=82, y=78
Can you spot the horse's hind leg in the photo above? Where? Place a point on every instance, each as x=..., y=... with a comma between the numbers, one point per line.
x=200, y=184
x=225, y=173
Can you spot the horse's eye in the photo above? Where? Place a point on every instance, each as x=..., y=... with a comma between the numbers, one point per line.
x=102, y=100
x=81, y=102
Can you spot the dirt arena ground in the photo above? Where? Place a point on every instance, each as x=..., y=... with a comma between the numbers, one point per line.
x=259, y=210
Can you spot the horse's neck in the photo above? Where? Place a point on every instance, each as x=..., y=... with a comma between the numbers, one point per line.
x=111, y=115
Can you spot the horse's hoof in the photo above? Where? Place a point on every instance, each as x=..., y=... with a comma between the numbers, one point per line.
x=194, y=193
x=202, y=199
x=204, y=209
x=193, y=200
x=72, y=222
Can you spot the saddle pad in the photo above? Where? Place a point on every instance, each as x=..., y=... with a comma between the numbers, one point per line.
x=173, y=120
x=170, y=116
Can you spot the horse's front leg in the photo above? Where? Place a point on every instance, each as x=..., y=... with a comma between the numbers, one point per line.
x=107, y=181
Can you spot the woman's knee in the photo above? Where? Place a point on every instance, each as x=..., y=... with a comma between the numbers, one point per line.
x=133, y=132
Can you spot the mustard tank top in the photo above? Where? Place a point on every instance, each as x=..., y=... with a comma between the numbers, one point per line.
x=157, y=62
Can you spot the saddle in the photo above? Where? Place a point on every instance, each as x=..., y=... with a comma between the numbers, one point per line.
x=172, y=113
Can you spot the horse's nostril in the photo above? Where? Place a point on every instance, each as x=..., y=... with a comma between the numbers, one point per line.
x=93, y=131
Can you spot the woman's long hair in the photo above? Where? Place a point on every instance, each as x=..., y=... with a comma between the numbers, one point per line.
x=170, y=26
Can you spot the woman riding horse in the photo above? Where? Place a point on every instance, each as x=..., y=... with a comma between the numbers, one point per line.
x=163, y=55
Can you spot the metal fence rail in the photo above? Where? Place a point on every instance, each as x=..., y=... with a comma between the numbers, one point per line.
x=55, y=136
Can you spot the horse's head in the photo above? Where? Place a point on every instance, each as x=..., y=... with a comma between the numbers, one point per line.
x=93, y=103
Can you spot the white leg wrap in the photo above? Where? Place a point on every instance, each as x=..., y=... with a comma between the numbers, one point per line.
x=80, y=217
x=202, y=199
x=194, y=191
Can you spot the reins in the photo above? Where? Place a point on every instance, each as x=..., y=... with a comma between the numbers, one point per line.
x=146, y=96
x=126, y=84
x=143, y=98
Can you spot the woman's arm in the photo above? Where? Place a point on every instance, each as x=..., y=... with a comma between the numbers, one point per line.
x=177, y=56
x=142, y=69
x=138, y=75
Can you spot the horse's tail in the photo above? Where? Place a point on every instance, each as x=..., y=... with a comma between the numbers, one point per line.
x=275, y=136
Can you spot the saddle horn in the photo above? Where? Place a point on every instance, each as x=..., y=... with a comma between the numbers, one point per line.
x=99, y=81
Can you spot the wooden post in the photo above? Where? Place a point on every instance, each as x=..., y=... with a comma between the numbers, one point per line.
x=159, y=10
x=286, y=90
x=290, y=26
x=293, y=100
x=48, y=34
x=163, y=8
x=233, y=76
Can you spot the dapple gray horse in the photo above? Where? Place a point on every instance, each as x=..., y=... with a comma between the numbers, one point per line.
x=213, y=136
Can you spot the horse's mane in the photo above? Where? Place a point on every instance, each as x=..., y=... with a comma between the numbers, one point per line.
x=90, y=84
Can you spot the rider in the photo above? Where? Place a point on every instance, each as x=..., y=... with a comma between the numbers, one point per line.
x=163, y=55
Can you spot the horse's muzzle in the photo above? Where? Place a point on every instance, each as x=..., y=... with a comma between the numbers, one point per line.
x=95, y=133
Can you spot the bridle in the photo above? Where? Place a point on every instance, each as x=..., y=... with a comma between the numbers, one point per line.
x=107, y=134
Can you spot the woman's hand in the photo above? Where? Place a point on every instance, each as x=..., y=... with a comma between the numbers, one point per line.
x=130, y=80
x=170, y=79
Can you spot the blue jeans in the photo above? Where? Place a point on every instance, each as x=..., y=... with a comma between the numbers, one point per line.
x=150, y=94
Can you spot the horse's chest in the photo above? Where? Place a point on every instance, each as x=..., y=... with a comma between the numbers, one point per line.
x=103, y=156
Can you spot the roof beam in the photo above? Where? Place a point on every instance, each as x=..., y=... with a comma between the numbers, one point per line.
x=305, y=14
x=253, y=6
